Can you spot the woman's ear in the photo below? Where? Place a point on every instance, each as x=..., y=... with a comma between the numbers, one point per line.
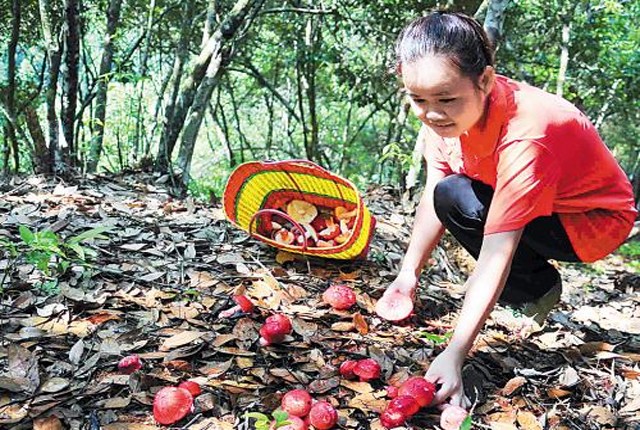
x=487, y=79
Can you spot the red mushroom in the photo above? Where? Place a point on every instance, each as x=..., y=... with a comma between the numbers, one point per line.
x=339, y=297
x=171, y=404
x=297, y=402
x=323, y=416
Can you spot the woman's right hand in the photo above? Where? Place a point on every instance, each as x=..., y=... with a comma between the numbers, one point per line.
x=396, y=303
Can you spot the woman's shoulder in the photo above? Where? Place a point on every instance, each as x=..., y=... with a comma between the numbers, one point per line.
x=533, y=113
x=526, y=98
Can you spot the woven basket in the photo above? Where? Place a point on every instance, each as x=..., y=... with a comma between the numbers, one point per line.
x=256, y=189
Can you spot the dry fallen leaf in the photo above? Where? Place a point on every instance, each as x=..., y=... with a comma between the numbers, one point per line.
x=54, y=385
x=513, y=384
x=368, y=402
x=342, y=326
x=601, y=414
x=48, y=423
x=179, y=339
x=528, y=421
x=360, y=324
x=320, y=386
x=22, y=374
x=283, y=257
x=557, y=393
x=358, y=387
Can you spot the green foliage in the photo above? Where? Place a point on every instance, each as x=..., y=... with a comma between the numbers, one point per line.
x=630, y=249
x=264, y=422
x=436, y=339
x=333, y=62
x=53, y=255
x=467, y=423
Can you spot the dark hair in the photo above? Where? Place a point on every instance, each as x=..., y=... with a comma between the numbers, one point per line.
x=454, y=35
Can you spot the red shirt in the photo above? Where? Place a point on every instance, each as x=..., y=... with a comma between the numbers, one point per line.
x=542, y=155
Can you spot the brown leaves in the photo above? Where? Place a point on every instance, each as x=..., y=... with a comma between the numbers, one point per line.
x=22, y=374
x=170, y=266
x=180, y=339
x=513, y=385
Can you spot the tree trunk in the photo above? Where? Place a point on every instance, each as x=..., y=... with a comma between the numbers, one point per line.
x=314, y=34
x=564, y=59
x=143, y=72
x=40, y=154
x=12, y=144
x=212, y=48
x=95, y=150
x=70, y=80
x=222, y=130
x=494, y=20
x=165, y=148
x=54, y=55
x=192, y=125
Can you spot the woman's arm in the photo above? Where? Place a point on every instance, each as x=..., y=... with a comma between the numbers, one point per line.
x=483, y=289
x=427, y=228
x=427, y=231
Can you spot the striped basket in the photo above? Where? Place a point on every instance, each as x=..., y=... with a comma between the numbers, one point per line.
x=256, y=189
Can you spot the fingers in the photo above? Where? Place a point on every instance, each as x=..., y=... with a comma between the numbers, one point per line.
x=451, y=394
x=443, y=394
x=459, y=399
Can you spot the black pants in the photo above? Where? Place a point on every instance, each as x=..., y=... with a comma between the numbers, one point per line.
x=462, y=205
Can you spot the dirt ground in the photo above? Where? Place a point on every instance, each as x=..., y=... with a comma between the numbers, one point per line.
x=157, y=278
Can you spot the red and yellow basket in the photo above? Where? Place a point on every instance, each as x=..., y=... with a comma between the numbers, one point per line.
x=256, y=190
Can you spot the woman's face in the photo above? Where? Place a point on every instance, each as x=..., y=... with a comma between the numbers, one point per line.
x=442, y=97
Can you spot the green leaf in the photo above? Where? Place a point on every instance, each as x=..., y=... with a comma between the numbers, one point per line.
x=436, y=338
x=280, y=416
x=27, y=235
x=79, y=250
x=466, y=424
x=94, y=233
x=257, y=415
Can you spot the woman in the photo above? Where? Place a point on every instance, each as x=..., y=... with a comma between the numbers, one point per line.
x=517, y=175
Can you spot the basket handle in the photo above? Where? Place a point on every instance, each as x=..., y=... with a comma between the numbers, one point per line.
x=307, y=163
x=296, y=160
x=286, y=216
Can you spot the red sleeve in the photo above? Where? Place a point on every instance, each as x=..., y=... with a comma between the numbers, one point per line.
x=527, y=179
x=433, y=150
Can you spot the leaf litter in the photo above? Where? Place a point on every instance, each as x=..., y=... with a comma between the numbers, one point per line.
x=165, y=268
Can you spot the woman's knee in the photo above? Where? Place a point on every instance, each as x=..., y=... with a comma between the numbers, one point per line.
x=449, y=195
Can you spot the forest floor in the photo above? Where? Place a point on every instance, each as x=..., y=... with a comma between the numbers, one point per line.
x=154, y=285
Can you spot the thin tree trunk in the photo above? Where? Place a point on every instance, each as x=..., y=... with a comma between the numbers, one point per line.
x=494, y=20
x=222, y=130
x=6, y=151
x=192, y=125
x=95, y=150
x=12, y=145
x=314, y=34
x=564, y=58
x=211, y=21
x=143, y=72
x=300, y=83
x=165, y=148
x=236, y=117
x=70, y=80
x=156, y=113
x=262, y=80
x=54, y=55
x=196, y=93
x=41, y=157
x=604, y=109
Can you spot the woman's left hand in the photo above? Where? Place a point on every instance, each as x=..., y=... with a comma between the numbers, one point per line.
x=446, y=371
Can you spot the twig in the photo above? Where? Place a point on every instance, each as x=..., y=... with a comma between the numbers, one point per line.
x=15, y=190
